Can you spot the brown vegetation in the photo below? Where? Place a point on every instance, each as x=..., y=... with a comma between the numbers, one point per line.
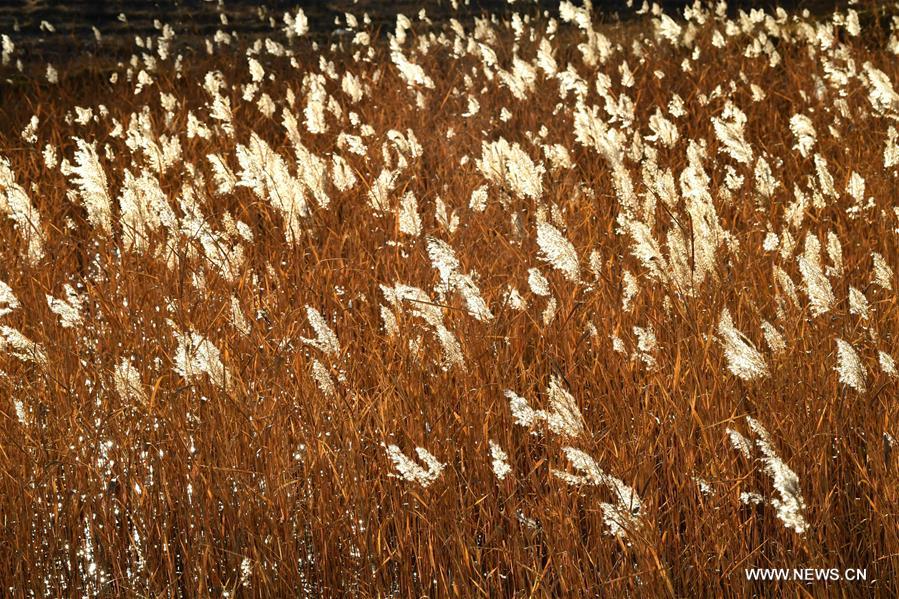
x=242, y=471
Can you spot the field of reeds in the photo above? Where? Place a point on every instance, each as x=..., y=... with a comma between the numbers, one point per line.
x=522, y=306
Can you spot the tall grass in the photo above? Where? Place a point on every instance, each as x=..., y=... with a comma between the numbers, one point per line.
x=529, y=306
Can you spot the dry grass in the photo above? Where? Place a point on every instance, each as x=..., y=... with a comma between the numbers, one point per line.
x=266, y=486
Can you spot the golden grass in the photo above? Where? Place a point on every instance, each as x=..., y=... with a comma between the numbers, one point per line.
x=296, y=487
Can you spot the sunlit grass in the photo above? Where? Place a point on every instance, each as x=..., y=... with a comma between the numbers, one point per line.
x=529, y=306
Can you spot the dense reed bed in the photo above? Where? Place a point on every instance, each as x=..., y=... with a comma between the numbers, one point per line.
x=520, y=306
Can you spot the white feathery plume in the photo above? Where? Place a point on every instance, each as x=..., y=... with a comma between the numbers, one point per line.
x=679, y=268
x=412, y=74
x=513, y=298
x=265, y=172
x=856, y=187
x=422, y=306
x=8, y=47
x=596, y=264
x=325, y=341
x=817, y=287
x=500, y=461
x=740, y=443
x=478, y=200
x=545, y=59
x=222, y=250
x=881, y=94
x=143, y=209
x=646, y=249
x=538, y=283
x=351, y=85
x=29, y=133
x=835, y=253
x=8, y=301
x=549, y=312
x=342, y=174
x=409, y=220
x=91, y=181
x=196, y=128
x=729, y=129
x=218, y=252
x=743, y=359
x=617, y=344
x=15, y=203
x=379, y=193
x=404, y=146
x=49, y=155
x=704, y=486
x=825, y=179
x=785, y=284
x=646, y=345
x=508, y=166
x=452, y=350
x=563, y=417
x=804, y=132
x=69, y=309
x=558, y=251
x=707, y=233
x=296, y=25
x=668, y=29
x=323, y=379
x=849, y=366
x=447, y=219
x=427, y=310
x=851, y=23
x=773, y=338
x=224, y=177
x=790, y=505
x=663, y=130
x=127, y=382
x=765, y=182
x=521, y=80
x=352, y=143
x=787, y=243
x=196, y=355
x=558, y=157
x=22, y=413
x=891, y=148
x=473, y=106
x=521, y=410
x=882, y=273
x=858, y=304
x=257, y=72
x=444, y=259
x=220, y=110
x=409, y=470
x=623, y=184
x=887, y=364
x=266, y=105
x=622, y=516
x=751, y=498
x=20, y=346
x=391, y=326
x=316, y=99
x=578, y=15
x=476, y=305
